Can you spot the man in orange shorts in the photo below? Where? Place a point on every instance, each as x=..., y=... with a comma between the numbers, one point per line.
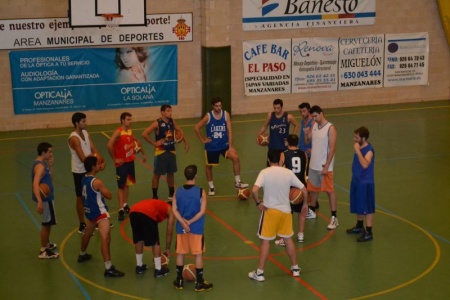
x=189, y=206
x=323, y=136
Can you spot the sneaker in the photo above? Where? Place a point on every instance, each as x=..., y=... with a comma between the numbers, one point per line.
x=141, y=269
x=51, y=246
x=178, y=283
x=365, y=237
x=300, y=237
x=48, y=253
x=258, y=277
x=126, y=208
x=311, y=214
x=83, y=258
x=112, y=272
x=82, y=228
x=295, y=272
x=121, y=215
x=241, y=185
x=280, y=243
x=333, y=223
x=204, y=286
x=211, y=192
x=161, y=273
x=355, y=230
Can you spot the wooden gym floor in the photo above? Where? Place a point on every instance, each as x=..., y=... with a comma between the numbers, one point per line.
x=409, y=257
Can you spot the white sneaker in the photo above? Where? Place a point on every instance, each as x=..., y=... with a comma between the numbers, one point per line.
x=258, y=277
x=333, y=223
x=280, y=242
x=300, y=237
x=241, y=185
x=311, y=214
x=295, y=272
x=211, y=192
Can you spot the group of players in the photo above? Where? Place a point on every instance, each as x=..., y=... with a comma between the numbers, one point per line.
x=309, y=154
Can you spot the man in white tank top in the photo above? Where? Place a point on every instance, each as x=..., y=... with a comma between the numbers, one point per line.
x=81, y=146
x=323, y=136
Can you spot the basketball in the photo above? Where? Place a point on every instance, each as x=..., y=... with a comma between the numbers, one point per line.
x=243, y=194
x=164, y=261
x=178, y=136
x=137, y=146
x=263, y=139
x=295, y=195
x=45, y=190
x=189, y=272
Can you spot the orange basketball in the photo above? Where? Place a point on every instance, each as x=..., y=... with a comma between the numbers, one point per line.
x=263, y=139
x=189, y=272
x=243, y=194
x=164, y=261
x=295, y=195
x=178, y=136
x=137, y=146
x=44, y=189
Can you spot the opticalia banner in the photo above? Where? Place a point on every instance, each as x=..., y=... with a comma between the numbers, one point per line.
x=292, y=14
x=93, y=78
x=56, y=33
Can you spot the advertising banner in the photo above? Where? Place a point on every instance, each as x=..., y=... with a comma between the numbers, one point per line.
x=293, y=14
x=47, y=81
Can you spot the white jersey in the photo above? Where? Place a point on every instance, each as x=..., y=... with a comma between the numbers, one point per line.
x=276, y=182
x=320, y=147
x=77, y=164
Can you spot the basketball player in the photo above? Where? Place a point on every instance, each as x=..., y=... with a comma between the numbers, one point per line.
x=218, y=141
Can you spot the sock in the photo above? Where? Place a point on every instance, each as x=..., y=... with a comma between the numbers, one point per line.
x=139, y=261
x=237, y=178
x=259, y=272
x=43, y=248
x=82, y=252
x=199, y=275
x=157, y=261
x=211, y=184
x=155, y=193
x=334, y=213
x=359, y=224
x=179, y=272
x=108, y=265
x=369, y=229
x=295, y=267
x=171, y=191
x=125, y=204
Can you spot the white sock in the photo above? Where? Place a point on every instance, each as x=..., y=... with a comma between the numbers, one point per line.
x=108, y=265
x=157, y=263
x=125, y=204
x=211, y=184
x=294, y=267
x=139, y=259
x=237, y=178
x=82, y=252
x=259, y=272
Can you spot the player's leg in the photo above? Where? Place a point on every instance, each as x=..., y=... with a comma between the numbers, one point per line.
x=155, y=184
x=234, y=157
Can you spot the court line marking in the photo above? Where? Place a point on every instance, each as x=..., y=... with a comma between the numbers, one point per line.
x=242, y=121
x=38, y=226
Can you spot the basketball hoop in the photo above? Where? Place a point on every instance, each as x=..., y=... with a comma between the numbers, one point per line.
x=112, y=21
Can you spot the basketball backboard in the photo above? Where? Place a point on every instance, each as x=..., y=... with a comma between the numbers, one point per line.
x=88, y=13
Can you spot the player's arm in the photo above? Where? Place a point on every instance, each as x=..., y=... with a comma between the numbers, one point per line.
x=363, y=160
x=114, y=137
x=100, y=187
x=142, y=151
x=229, y=130
x=294, y=123
x=177, y=214
x=186, y=143
x=282, y=158
x=332, y=137
x=255, y=195
x=148, y=131
x=96, y=153
x=38, y=174
x=199, y=126
x=202, y=210
x=75, y=144
x=169, y=230
x=264, y=127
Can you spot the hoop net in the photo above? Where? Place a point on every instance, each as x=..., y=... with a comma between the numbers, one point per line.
x=112, y=21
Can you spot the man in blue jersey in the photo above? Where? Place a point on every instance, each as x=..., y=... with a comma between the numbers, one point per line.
x=279, y=123
x=96, y=213
x=42, y=172
x=218, y=141
x=362, y=187
x=164, y=142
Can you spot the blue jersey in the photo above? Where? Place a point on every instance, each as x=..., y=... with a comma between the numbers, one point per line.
x=359, y=174
x=93, y=201
x=166, y=132
x=47, y=179
x=301, y=139
x=279, y=131
x=189, y=200
x=217, y=131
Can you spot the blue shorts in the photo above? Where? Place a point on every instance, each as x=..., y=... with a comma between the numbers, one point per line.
x=212, y=157
x=362, y=198
x=165, y=163
x=125, y=174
